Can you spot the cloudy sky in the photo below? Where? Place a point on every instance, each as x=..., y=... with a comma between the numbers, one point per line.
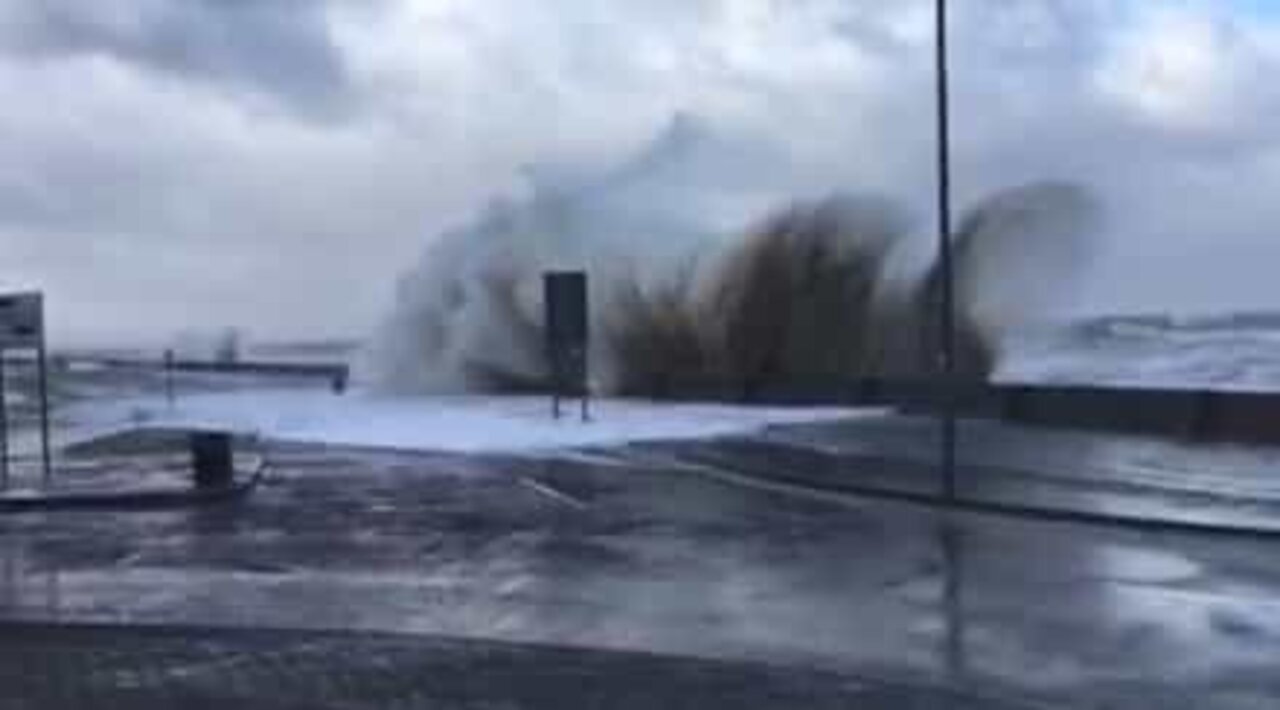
x=276, y=164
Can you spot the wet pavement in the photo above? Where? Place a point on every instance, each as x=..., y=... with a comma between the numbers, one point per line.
x=637, y=549
x=158, y=668
x=1130, y=476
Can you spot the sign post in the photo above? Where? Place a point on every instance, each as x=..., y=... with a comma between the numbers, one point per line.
x=946, y=315
x=4, y=428
x=565, y=302
x=22, y=328
x=168, y=377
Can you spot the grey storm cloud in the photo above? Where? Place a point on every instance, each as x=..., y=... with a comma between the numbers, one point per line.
x=279, y=47
x=278, y=163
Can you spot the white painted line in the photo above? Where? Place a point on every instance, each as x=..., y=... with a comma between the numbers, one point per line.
x=758, y=484
x=554, y=494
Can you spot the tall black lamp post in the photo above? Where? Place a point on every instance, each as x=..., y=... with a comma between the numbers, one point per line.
x=946, y=315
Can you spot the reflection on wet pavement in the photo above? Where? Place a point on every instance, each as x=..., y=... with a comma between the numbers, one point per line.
x=1215, y=484
x=608, y=551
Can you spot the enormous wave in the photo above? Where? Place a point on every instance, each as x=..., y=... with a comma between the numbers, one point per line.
x=681, y=300
x=1230, y=351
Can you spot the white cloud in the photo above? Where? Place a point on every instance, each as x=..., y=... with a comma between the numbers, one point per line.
x=1182, y=70
x=279, y=48
x=158, y=165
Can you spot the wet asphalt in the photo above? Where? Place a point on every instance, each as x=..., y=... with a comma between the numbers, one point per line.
x=655, y=549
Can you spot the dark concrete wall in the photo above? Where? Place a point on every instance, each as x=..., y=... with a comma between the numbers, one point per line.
x=1201, y=415
x=1205, y=415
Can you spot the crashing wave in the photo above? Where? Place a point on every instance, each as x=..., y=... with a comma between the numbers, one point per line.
x=680, y=301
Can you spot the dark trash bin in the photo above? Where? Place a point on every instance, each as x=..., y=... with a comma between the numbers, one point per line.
x=211, y=459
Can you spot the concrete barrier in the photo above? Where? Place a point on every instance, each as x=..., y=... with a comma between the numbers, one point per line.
x=337, y=374
x=1198, y=415
x=1241, y=416
x=1121, y=410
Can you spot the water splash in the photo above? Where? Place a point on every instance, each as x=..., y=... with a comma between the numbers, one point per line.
x=680, y=298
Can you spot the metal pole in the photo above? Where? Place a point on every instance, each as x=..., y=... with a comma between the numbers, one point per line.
x=168, y=378
x=45, y=457
x=4, y=427
x=583, y=384
x=947, y=316
x=953, y=600
x=557, y=381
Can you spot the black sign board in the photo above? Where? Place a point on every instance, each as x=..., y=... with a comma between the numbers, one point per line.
x=565, y=301
x=22, y=328
x=21, y=321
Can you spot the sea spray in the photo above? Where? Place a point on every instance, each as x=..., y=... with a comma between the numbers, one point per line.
x=679, y=301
